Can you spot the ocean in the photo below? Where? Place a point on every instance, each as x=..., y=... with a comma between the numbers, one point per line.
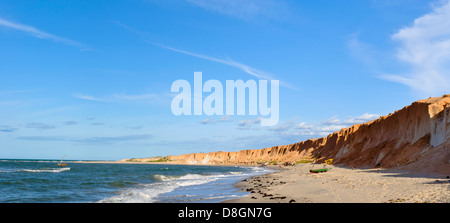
x=42, y=181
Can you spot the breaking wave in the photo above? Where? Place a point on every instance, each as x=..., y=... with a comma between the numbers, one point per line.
x=47, y=170
x=157, y=191
x=148, y=193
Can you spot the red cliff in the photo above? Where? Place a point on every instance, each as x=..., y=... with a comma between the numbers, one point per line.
x=416, y=137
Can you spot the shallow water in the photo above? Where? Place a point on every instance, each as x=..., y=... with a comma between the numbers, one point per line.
x=42, y=181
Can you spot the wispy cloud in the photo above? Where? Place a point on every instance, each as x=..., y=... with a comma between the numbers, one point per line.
x=245, y=68
x=39, y=125
x=248, y=123
x=43, y=138
x=13, y=92
x=88, y=97
x=7, y=128
x=208, y=121
x=136, y=97
x=70, y=123
x=89, y=140
x=323, y=128
x=213, y=120
x=244, y=9
x=425, y=47
x=361, y=51
x=229, y=62
x=115, y=139
x=35, y=32
x=290, y=131
x=98, y=124
x=145, y=97
x=334, y=124
x=361, y=119
x=283, y=126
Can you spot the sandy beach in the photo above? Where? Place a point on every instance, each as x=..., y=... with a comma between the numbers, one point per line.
x=344, y=185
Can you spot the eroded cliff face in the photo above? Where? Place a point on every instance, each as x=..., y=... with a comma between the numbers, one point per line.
x=416, y=137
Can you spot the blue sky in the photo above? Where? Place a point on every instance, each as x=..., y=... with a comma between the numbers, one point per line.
x=91, y=79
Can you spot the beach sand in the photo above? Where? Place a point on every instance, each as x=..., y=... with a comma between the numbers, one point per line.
x=344, y=185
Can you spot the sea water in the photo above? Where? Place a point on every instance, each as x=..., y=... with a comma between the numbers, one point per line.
x=42, y=181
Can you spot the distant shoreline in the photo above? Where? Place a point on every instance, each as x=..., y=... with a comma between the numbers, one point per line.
x=118, y=162
x=163, y=163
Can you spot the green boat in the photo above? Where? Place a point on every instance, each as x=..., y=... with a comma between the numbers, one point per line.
x=319, y=170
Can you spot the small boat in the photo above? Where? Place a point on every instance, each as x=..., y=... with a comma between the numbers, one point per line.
x=325, y=169
x=61, y=162
x=319, y=170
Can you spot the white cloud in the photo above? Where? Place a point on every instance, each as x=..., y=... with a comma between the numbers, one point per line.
x=213, y=120
x=226, y=118
x=37, y=32
x=248, y=123
x=331, y=121
x=304, y=125
x=208, y=121
x=323, y=128
x=88, y=97
x=425, y=47
x=334, y=124
x=361, y=119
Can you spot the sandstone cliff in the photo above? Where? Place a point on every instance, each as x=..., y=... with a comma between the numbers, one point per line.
x=416, y=137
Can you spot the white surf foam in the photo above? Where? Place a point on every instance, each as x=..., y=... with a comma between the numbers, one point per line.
x=49, y=170
x=149, y=193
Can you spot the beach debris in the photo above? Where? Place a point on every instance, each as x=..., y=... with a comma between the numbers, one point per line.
x=283, y=197
x=324, y=169
x=319, y=170
x=398, y=200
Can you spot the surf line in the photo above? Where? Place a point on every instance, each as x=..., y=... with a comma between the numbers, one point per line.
x=189, y=213
x=182, y=103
